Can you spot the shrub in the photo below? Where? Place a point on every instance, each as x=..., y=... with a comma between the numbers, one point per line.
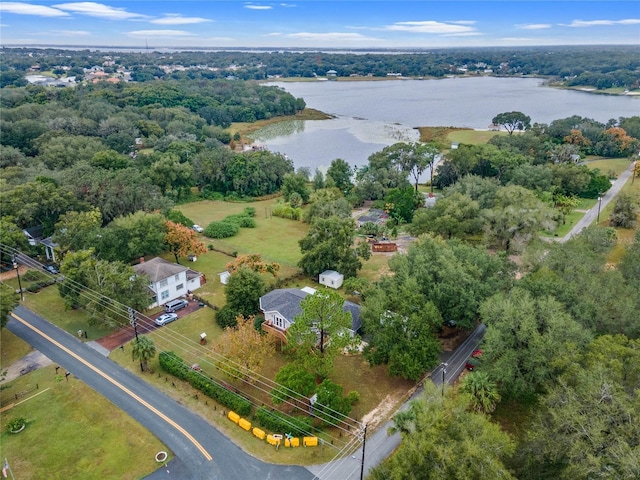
x=283, y=210
x=173, y=364
x=240, y=220
x=16, y=424
x=250, y=211
x=226, y=317
x=280, y=423
x=221, y=230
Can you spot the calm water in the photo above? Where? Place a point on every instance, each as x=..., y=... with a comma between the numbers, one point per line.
x=372, y=115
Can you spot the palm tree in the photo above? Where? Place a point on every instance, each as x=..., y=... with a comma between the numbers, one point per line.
x=483, y=393
x=143, y=350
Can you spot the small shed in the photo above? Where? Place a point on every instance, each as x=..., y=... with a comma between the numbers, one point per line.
x=331, y=278
x=224, y=277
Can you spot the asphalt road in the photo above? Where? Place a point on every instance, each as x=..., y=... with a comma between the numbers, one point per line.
x=589, y=217
x=379, y=444
x=203, y=452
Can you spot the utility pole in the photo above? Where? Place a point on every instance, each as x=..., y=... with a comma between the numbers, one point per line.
x=364, y=444
x=15, y=265
x=132, y=321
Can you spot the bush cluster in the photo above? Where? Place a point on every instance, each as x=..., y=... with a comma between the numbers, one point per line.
x=276, y=422
x=173, y=364
x=283, y=210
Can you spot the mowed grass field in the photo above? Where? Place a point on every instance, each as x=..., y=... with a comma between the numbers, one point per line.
x=72, y=432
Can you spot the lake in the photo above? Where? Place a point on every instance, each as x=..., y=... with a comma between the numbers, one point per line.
x=373, y=114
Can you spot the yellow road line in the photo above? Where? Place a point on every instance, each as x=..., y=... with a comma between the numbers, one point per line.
x=119, y=385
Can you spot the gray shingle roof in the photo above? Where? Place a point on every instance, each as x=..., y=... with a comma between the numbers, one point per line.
x=286, y=302
x=158, y=269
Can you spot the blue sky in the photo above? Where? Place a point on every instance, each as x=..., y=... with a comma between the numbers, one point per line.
x=320, y=24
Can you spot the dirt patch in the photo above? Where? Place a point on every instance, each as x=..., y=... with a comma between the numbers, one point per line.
x=384, y=410
x=30, y=362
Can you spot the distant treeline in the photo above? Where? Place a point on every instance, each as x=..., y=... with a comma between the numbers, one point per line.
x=597, y=66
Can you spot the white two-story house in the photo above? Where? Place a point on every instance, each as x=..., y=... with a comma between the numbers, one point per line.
x=168, y=281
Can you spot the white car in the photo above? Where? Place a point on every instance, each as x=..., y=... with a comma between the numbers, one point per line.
x=166, y=318
x=198, y=228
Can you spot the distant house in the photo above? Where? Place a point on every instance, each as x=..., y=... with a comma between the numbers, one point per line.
x=280, y=308
x=168, y=281
x=35, y=237
x=377, y=216
x=331, y=279
x=331, y=73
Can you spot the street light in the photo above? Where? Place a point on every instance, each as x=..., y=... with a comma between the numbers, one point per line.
x=15, y=265
x=444, y=372
x=599, y=205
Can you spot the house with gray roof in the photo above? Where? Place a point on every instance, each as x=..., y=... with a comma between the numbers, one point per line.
x=280, y=308
x=168, y=281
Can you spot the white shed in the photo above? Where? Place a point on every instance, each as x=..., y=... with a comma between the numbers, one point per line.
x=224, y=277
x=331, y=278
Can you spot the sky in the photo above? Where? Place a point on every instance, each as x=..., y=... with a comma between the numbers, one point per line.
x=371, y=24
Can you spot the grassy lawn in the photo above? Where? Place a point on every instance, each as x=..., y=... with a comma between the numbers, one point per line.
x=606, y=165
x=89, y=439
x=473, y=137
x=13, y=349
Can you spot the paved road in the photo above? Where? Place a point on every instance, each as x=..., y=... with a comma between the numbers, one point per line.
x=592, y=215
x=379, y=444
x=203, y=452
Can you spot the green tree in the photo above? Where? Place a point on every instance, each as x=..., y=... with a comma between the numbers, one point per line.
x=295, y=183
x=320, y=332
x=331, y=406
x=11, y=237
x=516, y=217
x=482, y=392
x=294, y=382
x=105, y=289
x=109, y=159
x=406, y=342
x=132, y=236
x=401, y=203
x=9, y=300
x=512, y=121
x=143, y=349
x=325, y=203
x=455, y=215
x=329, y=245
x=565, y=205
x=625, y=212
x=444, y=440
x=341, y=172
x=525, y=337
x=77, y=230
x=587, y=424
x=243, y=294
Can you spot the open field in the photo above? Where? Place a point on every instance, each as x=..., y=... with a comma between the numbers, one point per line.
x=606, y=165
x=90, y=439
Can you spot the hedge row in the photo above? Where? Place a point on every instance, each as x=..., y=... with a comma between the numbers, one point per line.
x=173, y=364
x=277, y=422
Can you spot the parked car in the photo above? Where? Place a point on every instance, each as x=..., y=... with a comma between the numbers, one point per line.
x=472, y=363
x=198, y=228
x=175, y=305
x=52, y=269
x=166, y=318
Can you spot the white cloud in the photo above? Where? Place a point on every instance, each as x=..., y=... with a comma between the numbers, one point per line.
x=99, y=10
x=178, y=19
x=534, y=26
x=429, y=26
x=329, y=37
x=159, y=33
x=29, y=9
x=288, y=5
x=252, y=6
x=70, y=33
x=594, y=23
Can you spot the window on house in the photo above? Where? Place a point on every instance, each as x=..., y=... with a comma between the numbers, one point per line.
x=164, y=294
x=179, y=287
x=176, y=277
x=164, y=283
